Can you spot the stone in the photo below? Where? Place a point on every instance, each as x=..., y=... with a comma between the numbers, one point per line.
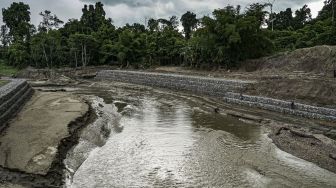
x=331, y=134
x=333, y=156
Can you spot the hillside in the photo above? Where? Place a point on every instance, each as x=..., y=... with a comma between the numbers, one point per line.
x=318, y=60
x=304, y=75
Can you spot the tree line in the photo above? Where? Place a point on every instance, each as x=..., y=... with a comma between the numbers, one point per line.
x=224, y=39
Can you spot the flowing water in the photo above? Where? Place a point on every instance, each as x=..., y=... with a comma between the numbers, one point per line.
x=164, y=140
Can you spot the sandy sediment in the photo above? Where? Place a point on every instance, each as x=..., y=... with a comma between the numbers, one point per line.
x=64, y=121
x=316, y=148
x=30, y=142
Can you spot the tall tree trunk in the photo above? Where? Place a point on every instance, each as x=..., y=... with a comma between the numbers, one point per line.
x=45, y=55
x=86, y=57
x=51, y=57
x=82, y=54
x=76, y=60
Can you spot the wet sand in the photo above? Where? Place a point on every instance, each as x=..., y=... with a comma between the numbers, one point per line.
x=315, y=148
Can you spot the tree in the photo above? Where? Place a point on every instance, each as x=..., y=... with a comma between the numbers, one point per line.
x=49, y=21
x=94, y=17
x=284, y=19
x=328, y=11
x=18, y=54
x=73, y=26
x=189, y=23
x=46, y=49
x=17, y=18
x=4, y=36
x=84, y=47
x=106, y=36
x=153, y=24
x=229, y=37
x=302, y=17
x=174, y=23
x=224, y=39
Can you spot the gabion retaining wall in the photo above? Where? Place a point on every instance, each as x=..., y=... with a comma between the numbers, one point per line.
x=228, y=90
x=12, y=97
x=210, y=86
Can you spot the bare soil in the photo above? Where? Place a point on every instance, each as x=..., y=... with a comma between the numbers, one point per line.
x=304, y=75
x=315, y=148
x=30, y=142
x=32, y=151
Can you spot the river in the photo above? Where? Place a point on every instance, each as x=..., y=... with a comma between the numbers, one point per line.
x=164, y=139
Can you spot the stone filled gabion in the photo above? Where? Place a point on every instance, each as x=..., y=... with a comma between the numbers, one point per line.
x=12, y=97
x=221, y=88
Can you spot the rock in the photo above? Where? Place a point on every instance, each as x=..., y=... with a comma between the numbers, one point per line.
x=331, y=134
x=320, y=128
x=278, y=131
x=89, y=76
x=316, y=131
x=333, y=156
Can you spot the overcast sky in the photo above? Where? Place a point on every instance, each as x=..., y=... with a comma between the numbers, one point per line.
x=130, y=11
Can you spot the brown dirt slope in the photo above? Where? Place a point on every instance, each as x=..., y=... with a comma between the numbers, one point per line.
x=318, y=59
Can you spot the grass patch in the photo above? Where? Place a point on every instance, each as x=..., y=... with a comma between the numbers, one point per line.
x=6, y=70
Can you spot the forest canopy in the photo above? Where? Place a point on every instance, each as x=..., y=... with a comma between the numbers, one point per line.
x=224, y=39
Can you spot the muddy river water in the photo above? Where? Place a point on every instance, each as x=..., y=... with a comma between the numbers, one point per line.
x=168, y=140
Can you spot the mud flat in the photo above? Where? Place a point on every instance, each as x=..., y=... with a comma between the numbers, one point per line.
x=36, y=141
x=304, y=144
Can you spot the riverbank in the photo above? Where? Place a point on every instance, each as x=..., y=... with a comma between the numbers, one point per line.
x=228, y=90
x=269, y=83
x=210, y=104
x=319, y=150
x=35, y=143
x=230, y=133
x=30, y=142
x=308, y=139
x=311, y=146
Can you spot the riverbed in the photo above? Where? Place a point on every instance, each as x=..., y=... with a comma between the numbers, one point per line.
x=164, y=139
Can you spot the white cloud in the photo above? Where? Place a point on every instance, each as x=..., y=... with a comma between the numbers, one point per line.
x=316, y=7
x=130, y=11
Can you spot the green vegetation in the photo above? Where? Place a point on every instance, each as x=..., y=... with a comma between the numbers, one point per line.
x=225, y=39
x=6, y=70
